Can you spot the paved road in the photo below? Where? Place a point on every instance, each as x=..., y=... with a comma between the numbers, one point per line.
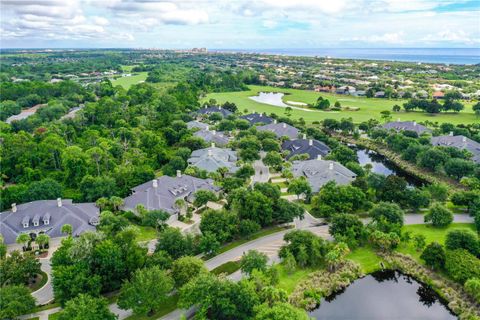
x=418, y=218
x=270, y=245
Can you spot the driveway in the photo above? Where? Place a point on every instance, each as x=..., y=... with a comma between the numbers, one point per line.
x=45, y=294
x=262, y=173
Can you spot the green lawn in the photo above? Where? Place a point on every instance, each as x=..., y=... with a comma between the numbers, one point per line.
x=369, y=107
x=54, y=316
x=127, y=82
x=146, y=233
x=169, y=305
x=228, y=268
x=287, y=281
x=40, y=282
x=366, y=258
x=432, y=234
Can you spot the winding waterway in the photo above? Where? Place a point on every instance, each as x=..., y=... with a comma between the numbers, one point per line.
x=383, y=166
x=384, y=295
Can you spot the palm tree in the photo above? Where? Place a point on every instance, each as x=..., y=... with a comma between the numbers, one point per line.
x=180, y=204
x=102, y=203
x=67, y=229
x=43, y=239
x=116, y=202
x=23, y=239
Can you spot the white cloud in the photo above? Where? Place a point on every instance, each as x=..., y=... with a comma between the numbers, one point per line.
x=451, y=36
x=101, y=21
x=392, y=38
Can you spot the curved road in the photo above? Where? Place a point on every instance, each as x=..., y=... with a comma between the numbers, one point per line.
x=270, y=245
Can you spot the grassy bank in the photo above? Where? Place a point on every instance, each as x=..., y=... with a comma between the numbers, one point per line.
x=431, y=234
x=368, y=107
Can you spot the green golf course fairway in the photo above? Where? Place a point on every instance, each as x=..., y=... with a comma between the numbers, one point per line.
x=127, y=82
x=369, y=107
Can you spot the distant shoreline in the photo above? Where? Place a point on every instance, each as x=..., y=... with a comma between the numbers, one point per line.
x=462, y=56
x=457, y=56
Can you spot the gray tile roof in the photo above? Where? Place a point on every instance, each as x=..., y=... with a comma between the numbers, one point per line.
x=212, y=136
x=196, y=124
x=210, y=110
x=406, y=126
x=319, y=172
x=76, y=214
x=459, y=142
x=255, y=118
x=212, y=158
x=168, y=190
x=312, y=147
x=281, y=129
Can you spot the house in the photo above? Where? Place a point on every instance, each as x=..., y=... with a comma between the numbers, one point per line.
x=281, y=129
x=345, y=90
x=213, y=158
x=318, y=172
x=47, y=216
x=438, y=95
x=162, y=193
x=255, y=118
x=380, y=94
x=406, y=126
x=196, y=125
x=212, y=136
x=209, y=110
x=313, y=148
x=459, y=142
x=359, y=93
x=324, y=89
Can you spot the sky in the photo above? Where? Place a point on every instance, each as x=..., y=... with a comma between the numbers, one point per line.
x=239, y=24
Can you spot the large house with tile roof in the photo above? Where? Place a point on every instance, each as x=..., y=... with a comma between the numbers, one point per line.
x=47, y=216
x=318, y=172
x=162, y=193
x=313, y=148
x=459, y=142
x=213, y=158
x=281, y=129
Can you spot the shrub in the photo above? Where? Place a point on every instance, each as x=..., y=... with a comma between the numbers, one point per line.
x=461, y=265
x=439, y=216
x=463, y=239
x=472, y=286
x=434, y=255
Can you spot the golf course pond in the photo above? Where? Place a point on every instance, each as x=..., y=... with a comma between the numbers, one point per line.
x=276, y=99
x=384, y=295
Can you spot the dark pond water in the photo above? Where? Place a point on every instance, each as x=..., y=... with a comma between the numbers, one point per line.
x=384, y=295
x=383, y=166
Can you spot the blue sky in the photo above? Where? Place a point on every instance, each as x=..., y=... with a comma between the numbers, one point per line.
x=243, y=24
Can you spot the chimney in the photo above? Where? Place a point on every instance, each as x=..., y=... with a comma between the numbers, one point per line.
x=275, y=121
x=464, y=139
x=219, y=108
x=214, y=132
x=284, y=125
x=319, y=157
x=179, y=173
x=212, y=145
x=14, y=207
x=414, y=123
x=210, y=153
x=398, y=119
x=207, y=128
x=310, y=142
x=304, y=136
x=155, y=183
x=451, y=134
x=261, y=115
x=330, y=166
x=59, y=202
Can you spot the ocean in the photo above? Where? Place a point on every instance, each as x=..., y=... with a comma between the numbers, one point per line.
x=420, y=55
